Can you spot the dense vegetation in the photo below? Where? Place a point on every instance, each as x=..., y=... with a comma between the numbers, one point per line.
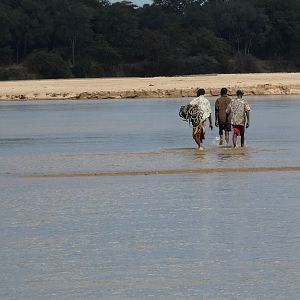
x=94, y=38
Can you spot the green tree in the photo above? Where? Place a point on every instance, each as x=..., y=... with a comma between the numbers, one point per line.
x=284, y=37
x=177, y=6
x=119, y=25
x=5, y=34
x=72, y=24
x=240, y=22
x=169, y=37
x=48, y=65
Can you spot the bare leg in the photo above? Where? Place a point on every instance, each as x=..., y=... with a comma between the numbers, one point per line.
x=198, y=136
x=234, y=137
x=227, y=137
x=221, y=140
x=201, y=137
x=242, y=140
x=197, y=139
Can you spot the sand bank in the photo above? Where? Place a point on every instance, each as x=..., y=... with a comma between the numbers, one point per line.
x=151, y=87
x=168, y=172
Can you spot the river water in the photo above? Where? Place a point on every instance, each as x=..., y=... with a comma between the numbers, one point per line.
x=68, y=230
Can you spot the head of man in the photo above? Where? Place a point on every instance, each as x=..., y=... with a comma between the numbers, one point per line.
x=200, y=92
x=223, y=91
x=239, y=93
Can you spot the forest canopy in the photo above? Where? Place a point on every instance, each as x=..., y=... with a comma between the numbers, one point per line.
x=95, y=38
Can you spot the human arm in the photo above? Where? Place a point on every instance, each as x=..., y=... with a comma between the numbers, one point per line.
x=247, y=111
x=216, y=114
x=228, y=112
x=195, y=101
x=248, y=118
x=210, y=122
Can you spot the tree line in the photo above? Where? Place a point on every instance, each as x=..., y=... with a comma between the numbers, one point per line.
x=94, y=38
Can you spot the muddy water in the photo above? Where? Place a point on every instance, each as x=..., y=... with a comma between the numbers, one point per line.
x=169, y=235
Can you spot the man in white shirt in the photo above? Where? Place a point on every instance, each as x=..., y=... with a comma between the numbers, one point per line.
x=205, y=113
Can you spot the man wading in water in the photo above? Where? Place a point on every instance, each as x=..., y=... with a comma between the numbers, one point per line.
x=205, y=109
x=239, y=111
x=220, y=116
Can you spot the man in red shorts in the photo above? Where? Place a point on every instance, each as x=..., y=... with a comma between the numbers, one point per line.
x=239, y=111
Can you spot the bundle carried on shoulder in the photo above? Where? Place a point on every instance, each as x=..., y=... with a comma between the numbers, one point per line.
x=191, y=113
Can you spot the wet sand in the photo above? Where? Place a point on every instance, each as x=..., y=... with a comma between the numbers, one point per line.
x=169, y=172
x=155, y=87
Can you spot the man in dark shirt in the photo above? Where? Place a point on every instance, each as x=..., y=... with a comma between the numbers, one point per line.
x=220, y=116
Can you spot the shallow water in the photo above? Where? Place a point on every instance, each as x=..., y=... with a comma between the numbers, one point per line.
x=173, y=236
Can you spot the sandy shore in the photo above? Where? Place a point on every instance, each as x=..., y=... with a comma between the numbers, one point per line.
x=154, y=87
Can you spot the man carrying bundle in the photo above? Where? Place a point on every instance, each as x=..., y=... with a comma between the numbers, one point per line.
x=205, y=113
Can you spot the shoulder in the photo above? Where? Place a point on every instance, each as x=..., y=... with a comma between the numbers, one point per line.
x=247, y=106
x=200, y=99
x=194, y=101
x=205, y=99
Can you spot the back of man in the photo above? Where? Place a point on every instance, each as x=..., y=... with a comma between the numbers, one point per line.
x=203, y=105
x=239, y=111
x=205, y=108
x=238, y=108
x=221, y=119
x=221, y=106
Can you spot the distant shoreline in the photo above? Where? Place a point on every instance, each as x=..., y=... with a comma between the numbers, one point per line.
x=150, y=87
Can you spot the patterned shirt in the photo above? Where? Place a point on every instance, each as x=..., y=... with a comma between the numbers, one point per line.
x=204, y=105
x=237, y=110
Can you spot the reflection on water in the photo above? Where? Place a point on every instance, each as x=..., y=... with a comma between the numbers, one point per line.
x=172, y=236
